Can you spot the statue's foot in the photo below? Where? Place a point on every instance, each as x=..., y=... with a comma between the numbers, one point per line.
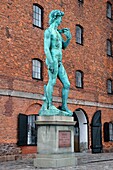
x=67, y=110
x=51, y=111
x=52, y=107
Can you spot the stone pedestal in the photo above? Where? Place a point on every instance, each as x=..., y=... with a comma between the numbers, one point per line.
x=55, y=142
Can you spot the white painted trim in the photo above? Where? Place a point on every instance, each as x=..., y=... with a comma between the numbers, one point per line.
x=20, y=94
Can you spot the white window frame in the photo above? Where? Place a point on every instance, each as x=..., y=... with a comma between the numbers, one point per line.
x=109, y=10
x=37, y=16
x=79, y=79
x=79, y=34
x=37, y=69
x=109, y=47
x=110, y=131
x=31, y=134
x=109, y=86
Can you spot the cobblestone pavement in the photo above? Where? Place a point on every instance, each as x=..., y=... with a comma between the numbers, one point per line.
x=27, y=164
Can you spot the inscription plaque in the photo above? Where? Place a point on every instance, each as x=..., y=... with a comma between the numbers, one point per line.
x=64, y=139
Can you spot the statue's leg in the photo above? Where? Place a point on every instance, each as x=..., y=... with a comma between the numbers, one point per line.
x=50, y=87
x=62, y=75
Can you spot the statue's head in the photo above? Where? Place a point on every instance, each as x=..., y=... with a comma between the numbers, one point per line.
x=54, y=14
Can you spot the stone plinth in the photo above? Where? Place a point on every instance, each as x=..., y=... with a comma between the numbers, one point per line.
x=55, y=141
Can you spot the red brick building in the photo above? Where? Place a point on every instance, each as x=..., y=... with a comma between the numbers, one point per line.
x=88, y=61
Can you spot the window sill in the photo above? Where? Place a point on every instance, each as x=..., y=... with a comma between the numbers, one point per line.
x=109, y=55
x=38, y=27
x=79, y=43
x=41, y=79
x=79, y=87
x=110, y=93
x=109, y=18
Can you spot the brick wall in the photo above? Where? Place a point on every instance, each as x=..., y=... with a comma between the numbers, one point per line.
x=21, y=42
x=17, y=34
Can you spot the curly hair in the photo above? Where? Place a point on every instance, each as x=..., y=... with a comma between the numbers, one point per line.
x=54, y=14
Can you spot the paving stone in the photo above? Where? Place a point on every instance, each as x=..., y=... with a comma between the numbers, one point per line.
x=27, y=164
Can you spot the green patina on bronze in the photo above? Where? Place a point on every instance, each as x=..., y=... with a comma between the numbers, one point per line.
x=53, y=45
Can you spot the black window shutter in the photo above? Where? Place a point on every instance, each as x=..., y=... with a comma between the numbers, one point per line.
x=22, y=129
x=106, y=132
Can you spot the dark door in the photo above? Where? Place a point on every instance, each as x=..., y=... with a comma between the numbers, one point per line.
x=76, y=138
x=76, y=134
x=96, y=133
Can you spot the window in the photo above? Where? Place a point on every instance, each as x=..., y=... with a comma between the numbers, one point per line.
x=109, y=47
x=37, y=69
x=80, y=1
x=111, y=131
x=79, y=34
x=108, y=131
x=32, y=134
x=37, y=16
x=109, y=86
x=27, y=133
x=109, y=10
x=79, y=79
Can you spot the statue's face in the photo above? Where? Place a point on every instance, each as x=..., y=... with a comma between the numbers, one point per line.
x=58, y=20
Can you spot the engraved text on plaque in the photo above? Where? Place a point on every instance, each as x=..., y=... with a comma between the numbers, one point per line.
x=64, y=139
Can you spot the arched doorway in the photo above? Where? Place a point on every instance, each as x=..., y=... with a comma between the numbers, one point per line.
x=81, y=131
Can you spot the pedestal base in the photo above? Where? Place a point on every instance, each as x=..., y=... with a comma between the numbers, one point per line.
x=55, y=160
x=55, y=142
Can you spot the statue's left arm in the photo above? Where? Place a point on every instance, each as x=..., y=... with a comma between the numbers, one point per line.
x=67, y=33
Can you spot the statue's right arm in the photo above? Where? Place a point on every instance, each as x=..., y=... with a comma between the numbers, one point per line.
x=47, y=43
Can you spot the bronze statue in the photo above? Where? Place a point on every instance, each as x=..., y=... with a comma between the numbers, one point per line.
x=53, y=45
